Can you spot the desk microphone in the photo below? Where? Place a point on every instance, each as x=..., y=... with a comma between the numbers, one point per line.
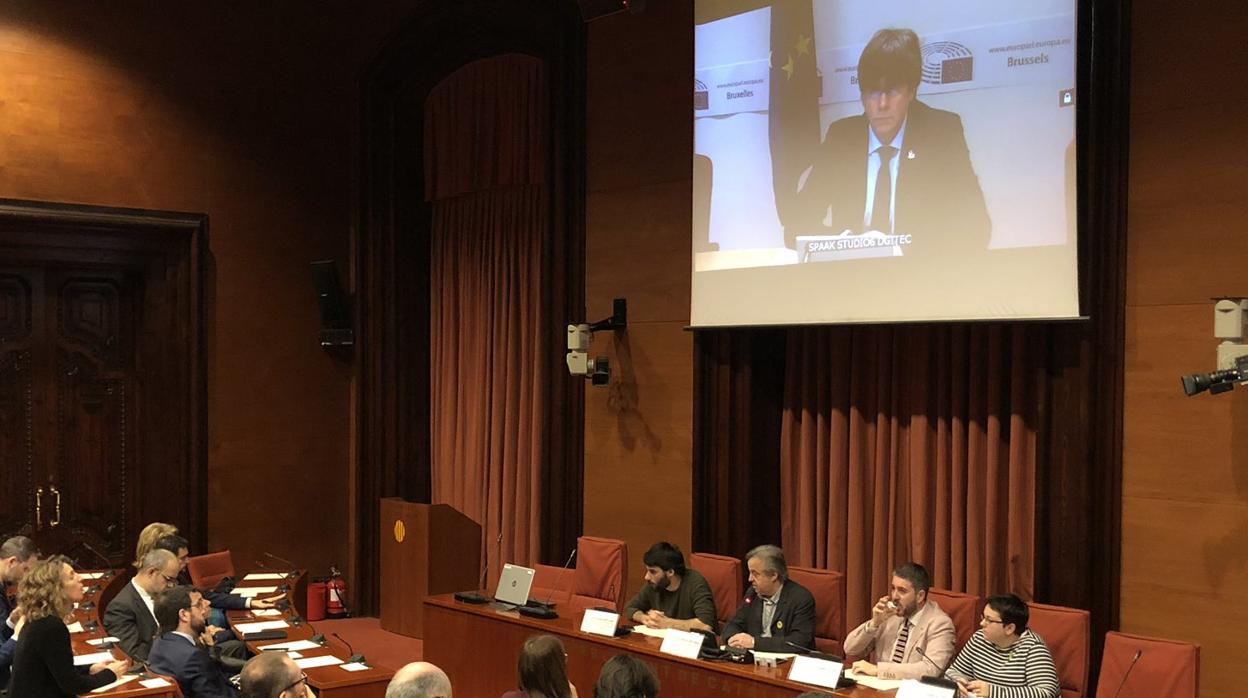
x=816, y=654
x=354, y=658
x=290, y=565
x=1122, y=683
x=939, y=679
x=108, y=564
x=546, y=611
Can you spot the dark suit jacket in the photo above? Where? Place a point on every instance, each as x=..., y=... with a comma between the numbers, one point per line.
x=938, y=198
x=794, y=620
x=128, y=619
x=197, y=674
x=6, y=607
x=216, y=599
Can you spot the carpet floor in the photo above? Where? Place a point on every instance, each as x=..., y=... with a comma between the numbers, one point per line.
x=378, y=646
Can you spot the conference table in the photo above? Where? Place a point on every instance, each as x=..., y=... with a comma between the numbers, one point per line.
x=99, y=587
x=331, y=681
x=477, y=646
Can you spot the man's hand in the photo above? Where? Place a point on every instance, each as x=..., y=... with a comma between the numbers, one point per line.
x=881, y=612
x=862, y=666
x=743, y=641
x=14, y=615
x=209, y=636
x=259, y=603
x=21, y=623
x=655, y=619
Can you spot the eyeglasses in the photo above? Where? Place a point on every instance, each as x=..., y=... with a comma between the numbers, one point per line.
x=169, y=581
x=988, y=620
x=302, y=678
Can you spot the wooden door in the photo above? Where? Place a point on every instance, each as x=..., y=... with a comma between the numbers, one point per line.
x=101, y=391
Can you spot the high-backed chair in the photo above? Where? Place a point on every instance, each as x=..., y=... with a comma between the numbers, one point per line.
x=601, y=573
x=828, y=588
x=963, y=609
x=598, y=579
x=1067, y=633
x=207, y=570
x=727, y=581
x=1164, y=668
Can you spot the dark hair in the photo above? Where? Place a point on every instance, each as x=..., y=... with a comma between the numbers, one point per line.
x=892, y=57
x=625, y=676
x=169, y=603
x=172, y=543
x=666, y=557
x=266, y=675
x=542, y=667
x=916, y=574
x=19, y=547
x=1012, y=610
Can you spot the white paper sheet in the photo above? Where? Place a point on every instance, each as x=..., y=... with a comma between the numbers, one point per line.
x=325, y=660
x=291, y=645
x=75, y=627
x=354, y=666
x=265, y=612
x=125, y=678
x=251, y=592
x=873, y=681
x=652, y=632
x=91, y=575
x=93, y=658
x=155, y=683
x=261, y=625
x=263, y=576
x=101, y=640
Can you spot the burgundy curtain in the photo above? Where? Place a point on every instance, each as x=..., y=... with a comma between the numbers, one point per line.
x=913, y=443
x=490, y=394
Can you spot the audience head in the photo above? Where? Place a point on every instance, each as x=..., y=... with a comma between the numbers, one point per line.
x=889, y=70
x=1005, y=618
x=908, y=589
x=181, y=608
x=663, y=561
x=50, y=588
x=767, y=568
x=148, y=537
x=177, y=545
x=542, y=667
x=158, y=570
x=625, y=676
x=272, y=675
x=17, y=555
x=419, y=680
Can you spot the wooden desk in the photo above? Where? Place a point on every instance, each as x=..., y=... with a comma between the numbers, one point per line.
x=477, y=647
x=329, y=681
x=90, y=613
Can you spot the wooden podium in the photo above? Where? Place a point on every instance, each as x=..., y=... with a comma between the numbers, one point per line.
x=426, y=550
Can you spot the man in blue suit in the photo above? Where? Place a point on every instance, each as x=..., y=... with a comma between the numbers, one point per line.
x=183, y=614
x=17, y=554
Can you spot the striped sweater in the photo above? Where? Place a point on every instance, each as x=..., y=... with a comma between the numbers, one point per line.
x=1025, y=670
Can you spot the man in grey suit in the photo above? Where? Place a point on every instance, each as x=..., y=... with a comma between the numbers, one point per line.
x=131, y=615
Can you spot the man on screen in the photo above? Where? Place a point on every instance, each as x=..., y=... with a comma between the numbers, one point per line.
x=901, y=167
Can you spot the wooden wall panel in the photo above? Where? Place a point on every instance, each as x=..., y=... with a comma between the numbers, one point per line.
x=241, y=113
x=1185, y=460
x=638, y=431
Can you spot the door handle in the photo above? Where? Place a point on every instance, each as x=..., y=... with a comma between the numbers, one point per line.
x=38, y=508
x=57, y=521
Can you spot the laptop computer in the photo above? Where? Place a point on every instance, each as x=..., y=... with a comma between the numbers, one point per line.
x=514, y=585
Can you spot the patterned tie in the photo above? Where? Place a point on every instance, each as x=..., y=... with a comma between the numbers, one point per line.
x=883, y=192
x=899, y=652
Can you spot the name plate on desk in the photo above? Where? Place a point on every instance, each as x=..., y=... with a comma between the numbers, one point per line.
x=681, y=643
x=599, y=623
x=817, y=672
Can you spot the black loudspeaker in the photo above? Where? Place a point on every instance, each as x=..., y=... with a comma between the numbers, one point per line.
x=595, y=9
x=336, y=329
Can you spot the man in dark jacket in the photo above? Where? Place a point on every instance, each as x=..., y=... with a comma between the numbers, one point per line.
x=778, y=614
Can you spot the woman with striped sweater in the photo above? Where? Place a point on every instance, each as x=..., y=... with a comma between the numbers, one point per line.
x=1003, y=659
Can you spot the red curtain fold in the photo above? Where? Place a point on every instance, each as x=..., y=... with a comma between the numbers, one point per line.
x=913, y=443
x=489, y=378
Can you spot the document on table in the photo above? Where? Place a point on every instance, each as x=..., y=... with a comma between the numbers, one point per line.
x=873, y=681
x=264, y=577
x=652, y=632
x=74, y=627
x=354, y=666
x=155, y=683
x=101, y=640
x=93, y=658
x=125, y=678
x=289, y=646
x=309, y=662
x=263, y=612
x=249, y=592
x=261, y=625
x=92, y=575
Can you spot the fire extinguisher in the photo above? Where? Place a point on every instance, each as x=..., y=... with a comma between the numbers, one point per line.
x=336, y=594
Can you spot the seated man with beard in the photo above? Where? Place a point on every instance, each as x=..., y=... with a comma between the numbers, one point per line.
x=673, y=596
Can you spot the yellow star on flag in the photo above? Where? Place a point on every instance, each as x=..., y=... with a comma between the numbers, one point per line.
x=789, y=67
x=803, y=45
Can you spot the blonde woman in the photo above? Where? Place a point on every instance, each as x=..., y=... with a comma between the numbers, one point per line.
x=44, y=664
x=148, y=537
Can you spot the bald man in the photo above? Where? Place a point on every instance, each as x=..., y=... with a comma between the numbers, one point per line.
x=419, y=680
x=273, y=675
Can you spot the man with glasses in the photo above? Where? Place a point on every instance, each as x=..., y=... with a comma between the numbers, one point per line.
x=131, y=615
x=1004, y=657
x=273, y=675
x=901, y=167
x=183, y=616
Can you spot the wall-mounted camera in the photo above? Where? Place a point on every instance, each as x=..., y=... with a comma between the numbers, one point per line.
x=1229, y=316
x=581, y=335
